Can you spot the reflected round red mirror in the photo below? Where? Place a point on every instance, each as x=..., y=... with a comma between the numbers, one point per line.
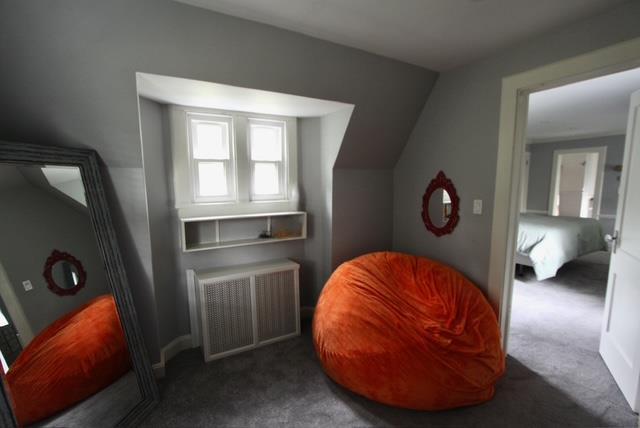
x=64, y=274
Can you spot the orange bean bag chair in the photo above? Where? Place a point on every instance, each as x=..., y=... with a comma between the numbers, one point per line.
x=408, y=332
x=70, y=360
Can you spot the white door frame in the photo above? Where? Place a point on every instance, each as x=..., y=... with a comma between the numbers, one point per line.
x=602, y=158
x=511, y=144
x=524, y=185
x=17, y=315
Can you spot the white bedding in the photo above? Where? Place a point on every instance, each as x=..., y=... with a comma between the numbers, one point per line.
x=549, y=242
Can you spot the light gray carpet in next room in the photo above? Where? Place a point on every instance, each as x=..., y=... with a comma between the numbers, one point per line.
x=554, y=377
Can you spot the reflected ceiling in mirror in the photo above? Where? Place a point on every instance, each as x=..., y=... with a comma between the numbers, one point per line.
x=67, y=180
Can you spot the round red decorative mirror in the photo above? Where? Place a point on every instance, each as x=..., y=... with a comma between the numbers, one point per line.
x=64, y=274
x=440, y=206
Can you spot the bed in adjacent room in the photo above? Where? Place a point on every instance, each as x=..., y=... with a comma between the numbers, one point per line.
x=546, y=243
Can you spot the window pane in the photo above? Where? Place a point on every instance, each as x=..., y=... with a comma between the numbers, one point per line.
x=266, y=143
x=210, y=141
x=265, y=179
x=212, y=179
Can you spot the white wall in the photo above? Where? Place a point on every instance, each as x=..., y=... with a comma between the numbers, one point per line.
x=458, y=133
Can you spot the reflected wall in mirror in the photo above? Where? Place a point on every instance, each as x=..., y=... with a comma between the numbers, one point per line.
x=440, y=206
x=64, y=274
x=65, y=361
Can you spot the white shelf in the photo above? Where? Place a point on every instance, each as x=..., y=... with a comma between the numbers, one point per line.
x=241, y=216
x=228, y=231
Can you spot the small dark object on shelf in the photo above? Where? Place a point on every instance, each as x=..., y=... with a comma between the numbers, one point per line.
x=265, y=234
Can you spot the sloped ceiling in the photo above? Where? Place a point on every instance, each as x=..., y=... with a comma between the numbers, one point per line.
x=436, y=34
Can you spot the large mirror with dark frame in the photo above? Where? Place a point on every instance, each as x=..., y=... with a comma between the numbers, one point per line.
x=71, y=351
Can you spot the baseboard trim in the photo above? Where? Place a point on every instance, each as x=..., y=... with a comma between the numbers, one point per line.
x=177, y=345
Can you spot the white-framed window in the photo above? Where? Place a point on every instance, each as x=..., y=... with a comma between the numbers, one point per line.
x=267, y=159
x=229, y=162
x=212, y=158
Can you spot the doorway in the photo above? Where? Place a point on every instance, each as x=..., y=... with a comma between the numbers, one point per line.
x=562, y=258
x=513, y=129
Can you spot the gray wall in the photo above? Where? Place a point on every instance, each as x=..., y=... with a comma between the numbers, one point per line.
x=33, y=223
x=320, y=140
x=541, y=165
x=458, y=133
x=368, y=225
x=163, y=223
x=68, y=75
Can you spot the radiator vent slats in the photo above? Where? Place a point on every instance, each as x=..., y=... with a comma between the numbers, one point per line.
x=229, y=314
x=275, y=300
x=243, y=309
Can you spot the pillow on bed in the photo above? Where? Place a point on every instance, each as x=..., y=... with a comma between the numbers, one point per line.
x=72, y=359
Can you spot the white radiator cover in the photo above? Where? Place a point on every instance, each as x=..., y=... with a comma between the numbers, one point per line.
x=247, y=306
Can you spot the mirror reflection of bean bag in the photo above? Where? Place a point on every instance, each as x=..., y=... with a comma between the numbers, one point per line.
x=408, y=332
x=78, y=355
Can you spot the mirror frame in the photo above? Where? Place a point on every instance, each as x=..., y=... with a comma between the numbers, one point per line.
x=60, y=256
x=87, y=161
x=441, y=182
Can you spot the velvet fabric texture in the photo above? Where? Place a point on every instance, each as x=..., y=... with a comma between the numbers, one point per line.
x=409, y=332
x=70, y=360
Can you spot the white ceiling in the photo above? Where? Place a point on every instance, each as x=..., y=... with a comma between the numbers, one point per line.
x=436, y=34
x=196, y=93
x=589, y=108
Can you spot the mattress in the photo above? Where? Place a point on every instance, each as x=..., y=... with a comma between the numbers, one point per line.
x=550, y=242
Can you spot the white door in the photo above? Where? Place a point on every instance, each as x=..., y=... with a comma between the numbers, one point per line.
x=620, y=340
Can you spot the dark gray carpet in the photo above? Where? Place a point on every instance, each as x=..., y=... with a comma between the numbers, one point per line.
x=554, y=376
x=103, y=409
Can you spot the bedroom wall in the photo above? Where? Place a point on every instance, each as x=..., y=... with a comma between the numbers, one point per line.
x=542, y=164
x=458, y=133
x=68, y=79
x=320, y=139
x=163, y=222
x=33, y=223
x=367, y=227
